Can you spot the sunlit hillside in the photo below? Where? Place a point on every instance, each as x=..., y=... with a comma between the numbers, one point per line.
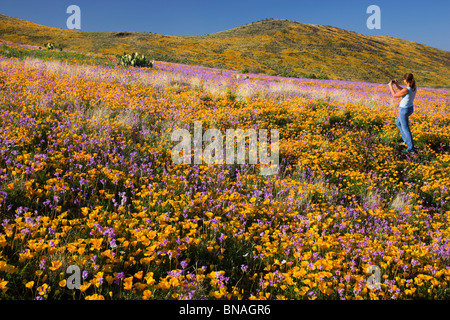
x=272, y=46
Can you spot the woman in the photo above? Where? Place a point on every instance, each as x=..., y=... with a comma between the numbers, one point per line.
x=406, y=108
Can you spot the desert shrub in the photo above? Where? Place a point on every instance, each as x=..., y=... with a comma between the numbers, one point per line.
x=288, y=74
x=49, y=46
x=134, y=59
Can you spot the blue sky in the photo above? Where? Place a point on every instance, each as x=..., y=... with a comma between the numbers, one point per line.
x=425, y=22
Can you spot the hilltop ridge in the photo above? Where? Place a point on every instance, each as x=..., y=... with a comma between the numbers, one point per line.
x=272, y=46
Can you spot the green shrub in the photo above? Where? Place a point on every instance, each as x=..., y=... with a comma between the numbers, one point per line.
x=310, y=76
x=135, y=60
x=314, y=76
x=49, y=46
x=288, y=74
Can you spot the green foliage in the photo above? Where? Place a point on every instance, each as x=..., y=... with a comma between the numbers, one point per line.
x=339, y=119
x=49, y=46
x=314, y=76
x=288, y=74
x=135, y=60
x=435, y=141
x=22, y=53
x=291, y=74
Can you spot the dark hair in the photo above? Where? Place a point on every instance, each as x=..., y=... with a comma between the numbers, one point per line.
x=410, y=79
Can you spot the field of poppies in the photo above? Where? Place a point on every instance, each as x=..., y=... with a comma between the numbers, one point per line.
x=87, y=180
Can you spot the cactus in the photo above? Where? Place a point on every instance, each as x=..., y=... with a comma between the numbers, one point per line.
x=49, y=46
x=135, y=59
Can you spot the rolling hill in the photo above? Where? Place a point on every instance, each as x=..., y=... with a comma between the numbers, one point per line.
x=272, y=46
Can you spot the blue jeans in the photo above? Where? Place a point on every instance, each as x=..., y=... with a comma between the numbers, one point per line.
x=403, y=126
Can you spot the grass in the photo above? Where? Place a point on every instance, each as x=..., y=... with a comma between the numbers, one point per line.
x=46, y=55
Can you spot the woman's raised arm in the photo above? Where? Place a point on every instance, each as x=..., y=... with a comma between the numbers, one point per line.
x=398, y=94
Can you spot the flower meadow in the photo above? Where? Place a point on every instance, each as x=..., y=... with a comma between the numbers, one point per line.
x=86, y=179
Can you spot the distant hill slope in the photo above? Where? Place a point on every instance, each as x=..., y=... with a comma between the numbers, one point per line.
x=271, y=46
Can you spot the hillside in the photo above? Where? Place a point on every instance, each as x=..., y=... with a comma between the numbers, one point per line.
x=269, y=46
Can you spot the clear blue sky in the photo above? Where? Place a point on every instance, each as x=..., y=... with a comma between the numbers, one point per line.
x=425, y=21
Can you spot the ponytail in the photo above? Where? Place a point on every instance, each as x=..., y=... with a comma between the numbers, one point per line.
x=413, y=84
x=410, y=79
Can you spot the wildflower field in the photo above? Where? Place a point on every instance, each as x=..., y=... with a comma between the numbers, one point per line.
x=87, y=179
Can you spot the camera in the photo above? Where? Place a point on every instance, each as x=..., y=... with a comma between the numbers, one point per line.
x=394, y=80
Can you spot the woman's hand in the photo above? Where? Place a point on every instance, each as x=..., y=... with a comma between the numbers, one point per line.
x=398, y=94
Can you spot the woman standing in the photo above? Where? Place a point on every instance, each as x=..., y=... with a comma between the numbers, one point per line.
x=406, y=108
